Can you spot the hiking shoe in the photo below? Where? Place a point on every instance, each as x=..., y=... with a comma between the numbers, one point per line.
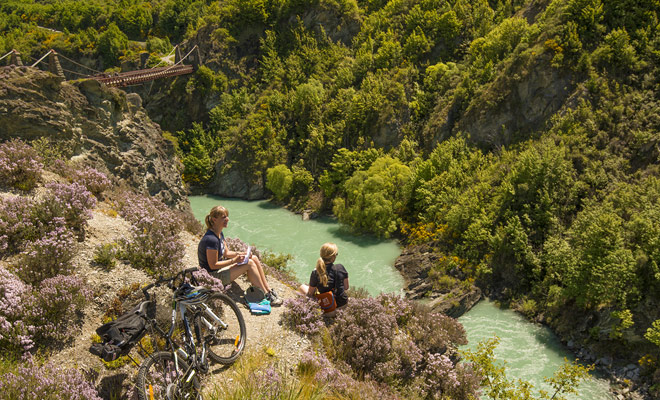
x=274, y=300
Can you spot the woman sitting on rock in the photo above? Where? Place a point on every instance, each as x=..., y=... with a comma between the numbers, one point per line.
x=225, y=264
x=328, y=277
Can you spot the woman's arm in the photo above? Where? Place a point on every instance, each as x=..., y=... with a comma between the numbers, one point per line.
x=214, y=263
x=346, y=284
x=311, y=292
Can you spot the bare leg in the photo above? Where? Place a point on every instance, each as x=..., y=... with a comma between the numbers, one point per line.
x=261, y=272
x=252, y=272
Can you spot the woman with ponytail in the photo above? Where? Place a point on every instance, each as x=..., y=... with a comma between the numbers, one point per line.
x=328, y=276
x=223, y=263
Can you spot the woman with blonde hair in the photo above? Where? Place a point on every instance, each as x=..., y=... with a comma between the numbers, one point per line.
x=225, y=264
x=328, y=277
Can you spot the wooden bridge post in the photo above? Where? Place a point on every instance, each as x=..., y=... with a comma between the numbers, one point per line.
x=177, y=55
x=54, y=64
x=144, y=57
x=15, y=58
x=196, y=58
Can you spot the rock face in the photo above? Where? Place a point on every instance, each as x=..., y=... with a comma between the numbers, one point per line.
x=414, y=263
x=233, y=183
x=108, y=129
x=519, y=101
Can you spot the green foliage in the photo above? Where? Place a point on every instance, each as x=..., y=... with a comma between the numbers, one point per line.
x=344, y=164
x=135, y=20
x=500, y=41
x=625, y=318
x=112, y=43
x=105, y=255
x=302, y=181
x=158, y=45
x=205, y=81
x=375, y=198
x=617, y=53
x=198, y=147
x=593, y=261
x=653, y=333
x=497, y=386
x=279, y=180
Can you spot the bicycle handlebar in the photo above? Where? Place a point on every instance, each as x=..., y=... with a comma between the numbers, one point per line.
x=169, y=281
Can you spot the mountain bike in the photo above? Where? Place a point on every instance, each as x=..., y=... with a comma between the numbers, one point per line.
x=219, y=334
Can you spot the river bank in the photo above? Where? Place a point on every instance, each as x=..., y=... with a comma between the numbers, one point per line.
x=411, y=264
x=415, y=264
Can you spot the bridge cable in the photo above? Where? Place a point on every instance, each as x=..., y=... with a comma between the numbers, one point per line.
x=80, y=65
x=181, y=60
x=173, y=48
x=76, y=73
x=41, y=59
x=6, y=54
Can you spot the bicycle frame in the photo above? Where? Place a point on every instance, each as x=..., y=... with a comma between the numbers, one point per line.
x=195, y=363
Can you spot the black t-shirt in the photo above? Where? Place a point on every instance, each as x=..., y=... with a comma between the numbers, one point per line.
x=336, y=275
x=210, y=241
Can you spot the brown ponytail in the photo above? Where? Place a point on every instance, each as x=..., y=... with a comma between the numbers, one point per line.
x=328, y=255
x=217, y=211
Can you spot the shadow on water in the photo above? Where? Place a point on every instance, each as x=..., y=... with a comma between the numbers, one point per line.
x=267, y=205
x=344, y=233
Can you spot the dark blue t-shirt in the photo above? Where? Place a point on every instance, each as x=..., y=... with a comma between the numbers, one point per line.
x=210, y=241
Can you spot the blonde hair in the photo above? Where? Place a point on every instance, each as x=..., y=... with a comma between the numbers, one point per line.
x=328, y=255
x=216, y=211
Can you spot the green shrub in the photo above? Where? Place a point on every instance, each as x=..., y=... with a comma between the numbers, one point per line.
x=279, y=180
x=375, y=198
x=105, y=255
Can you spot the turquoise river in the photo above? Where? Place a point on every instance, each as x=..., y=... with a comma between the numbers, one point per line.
x=530, y=351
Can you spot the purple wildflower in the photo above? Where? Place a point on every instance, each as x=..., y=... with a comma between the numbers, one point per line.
x=20, y=165
x=33, y=381
x=48, y=256
x=302, y=314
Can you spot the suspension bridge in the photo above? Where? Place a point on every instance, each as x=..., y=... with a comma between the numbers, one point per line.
x=117, y=79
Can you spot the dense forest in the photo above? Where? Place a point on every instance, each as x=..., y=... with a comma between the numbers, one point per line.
x=520, y=139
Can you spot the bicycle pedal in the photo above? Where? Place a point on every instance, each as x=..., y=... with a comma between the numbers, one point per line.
x=203, y=367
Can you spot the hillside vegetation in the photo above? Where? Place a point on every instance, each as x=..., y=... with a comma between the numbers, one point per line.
x=518, y=138
x=75, y=249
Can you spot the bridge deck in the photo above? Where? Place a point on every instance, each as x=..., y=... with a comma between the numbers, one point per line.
x=142, y=75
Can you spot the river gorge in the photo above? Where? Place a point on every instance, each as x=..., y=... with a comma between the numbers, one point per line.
x=532, y=352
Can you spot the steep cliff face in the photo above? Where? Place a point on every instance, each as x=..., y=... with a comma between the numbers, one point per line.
x=107, y=128
x=521, y=100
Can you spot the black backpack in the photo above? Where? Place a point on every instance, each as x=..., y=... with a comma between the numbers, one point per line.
x=119, y=336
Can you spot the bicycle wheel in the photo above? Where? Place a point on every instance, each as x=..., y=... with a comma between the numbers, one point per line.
x=157, y=379
x=225, y=344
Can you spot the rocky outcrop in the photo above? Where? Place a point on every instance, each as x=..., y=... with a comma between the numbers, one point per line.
x=232, y=182
x=519, y=101
x=107, y=128
x=414, y=263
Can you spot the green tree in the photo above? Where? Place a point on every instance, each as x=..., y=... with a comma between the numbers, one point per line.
x=375, y=198
x=112, y=42
x=197, y=165
x=279, y=180
x=653, y=333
